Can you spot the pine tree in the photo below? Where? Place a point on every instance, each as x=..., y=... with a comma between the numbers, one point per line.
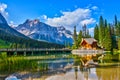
x=96, y=32
x=101, y=30
x=84, y=30
x=87, y=34
x=79, y=38
x=116, y=21
x=109, y=28
x=75, y=38
x=112, y=30
x=105, y=23
x=107, y=39
x=118, y=29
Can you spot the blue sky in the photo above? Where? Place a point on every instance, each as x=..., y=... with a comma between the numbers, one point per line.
x=60, y=12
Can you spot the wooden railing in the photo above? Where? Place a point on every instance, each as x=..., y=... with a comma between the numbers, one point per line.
x=33, y=49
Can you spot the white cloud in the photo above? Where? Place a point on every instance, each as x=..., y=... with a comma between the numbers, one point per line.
x=69, y=19
x=94, y=7
x=12, y=24
x=44, y=17
x=87, y=21
x=91, y=30
x=3, y=8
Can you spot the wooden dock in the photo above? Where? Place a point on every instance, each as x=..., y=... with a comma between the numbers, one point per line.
x=86, y=52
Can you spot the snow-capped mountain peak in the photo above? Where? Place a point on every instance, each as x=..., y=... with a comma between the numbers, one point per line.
x=41, y=31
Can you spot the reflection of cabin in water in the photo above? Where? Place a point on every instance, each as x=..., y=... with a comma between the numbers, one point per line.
x=88, y=43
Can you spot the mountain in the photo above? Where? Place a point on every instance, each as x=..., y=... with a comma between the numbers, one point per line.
x=10, y=38
x=5, y=27
x=40, y=31
x=2, y=19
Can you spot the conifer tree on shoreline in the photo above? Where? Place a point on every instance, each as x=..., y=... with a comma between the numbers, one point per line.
x=109, y=34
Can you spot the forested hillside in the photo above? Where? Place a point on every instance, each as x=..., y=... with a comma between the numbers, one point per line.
x=11, y=41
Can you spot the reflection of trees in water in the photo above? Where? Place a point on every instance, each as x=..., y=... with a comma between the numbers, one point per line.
x=76, y=72
x=108, y=73
x=77, y=61
x=85, y=71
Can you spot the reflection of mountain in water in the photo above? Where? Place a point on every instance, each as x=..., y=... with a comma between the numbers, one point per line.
x=60, y=63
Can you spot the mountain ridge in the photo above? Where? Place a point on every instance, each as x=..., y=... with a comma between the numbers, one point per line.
x=10, y=38
x=43, y=32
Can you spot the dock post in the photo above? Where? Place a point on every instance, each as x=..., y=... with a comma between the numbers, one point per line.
x=24, y=53
x=15, y=53
x=32, y=53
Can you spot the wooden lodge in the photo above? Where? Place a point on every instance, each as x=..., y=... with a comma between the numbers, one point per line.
x=88, y=43
x=88, y=47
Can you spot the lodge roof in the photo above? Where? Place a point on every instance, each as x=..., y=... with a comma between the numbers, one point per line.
x=90, y=40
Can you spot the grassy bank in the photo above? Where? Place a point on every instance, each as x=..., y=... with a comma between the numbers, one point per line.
x=13, y=64
x=20, y=63
x=26, y=63
x=108, y=64
x=110, y=59
x=116, y=51
x=4, y=44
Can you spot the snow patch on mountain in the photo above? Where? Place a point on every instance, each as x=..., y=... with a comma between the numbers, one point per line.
x=41, y=31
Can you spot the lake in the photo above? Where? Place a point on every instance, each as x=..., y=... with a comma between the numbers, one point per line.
x=67, y=67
